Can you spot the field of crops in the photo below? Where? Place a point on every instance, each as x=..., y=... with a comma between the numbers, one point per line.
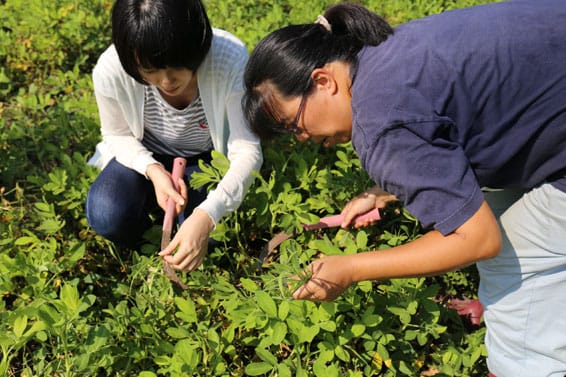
x=72, y=304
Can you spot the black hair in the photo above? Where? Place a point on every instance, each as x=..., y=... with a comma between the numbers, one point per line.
x=286, y=58
x=156, y=34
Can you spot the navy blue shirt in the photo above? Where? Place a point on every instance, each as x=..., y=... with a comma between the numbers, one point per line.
x=462, y=100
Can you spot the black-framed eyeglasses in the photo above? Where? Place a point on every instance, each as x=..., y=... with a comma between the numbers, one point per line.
x=294, y=127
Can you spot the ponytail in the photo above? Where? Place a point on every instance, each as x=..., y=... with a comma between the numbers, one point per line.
x=358, y=24
x=286, y=57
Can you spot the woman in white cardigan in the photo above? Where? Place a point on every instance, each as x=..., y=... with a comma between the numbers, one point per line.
x=168, y=86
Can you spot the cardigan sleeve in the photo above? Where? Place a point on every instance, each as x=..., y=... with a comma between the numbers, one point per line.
x=119, y=105
x=223, y=73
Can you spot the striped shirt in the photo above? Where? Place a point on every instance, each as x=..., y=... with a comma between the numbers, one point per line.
x=174, y=132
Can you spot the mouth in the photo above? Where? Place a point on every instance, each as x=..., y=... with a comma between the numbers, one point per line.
x=326, y=142
x=171, y=90
x=330, y=141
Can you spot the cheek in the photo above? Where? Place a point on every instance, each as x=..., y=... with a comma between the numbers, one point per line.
x=343, y=122
x=151, y=79
x=183, y=77
x=330, y=122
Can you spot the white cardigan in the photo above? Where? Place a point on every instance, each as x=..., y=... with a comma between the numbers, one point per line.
x=120, y=101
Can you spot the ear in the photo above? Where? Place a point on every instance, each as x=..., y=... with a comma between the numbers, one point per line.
x=324, y=80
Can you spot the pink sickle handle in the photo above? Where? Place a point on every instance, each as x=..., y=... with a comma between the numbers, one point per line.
x=336, y=220
x=177, y=172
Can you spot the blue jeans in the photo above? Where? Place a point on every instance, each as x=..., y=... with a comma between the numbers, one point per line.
x=120, y=200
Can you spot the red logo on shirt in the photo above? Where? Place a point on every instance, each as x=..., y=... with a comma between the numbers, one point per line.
x=203, y=126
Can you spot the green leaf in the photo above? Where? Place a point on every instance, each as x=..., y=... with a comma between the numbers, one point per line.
x=283, y=370
x=249, y=285
x=162, y=360
x=329, y=326
x=266, y=303
x=44, y=207
x=402, y=313
x=405, y=369
x=361, y=240
x=41, y=336
x=365, y=286
x=412, y=307
x=341, y=353
x=279, y=333
x=283, y=310
x=147, y=374
x=178, y=333
x=76, y=253
x=304, y=333
x=325, y=247
x=220, y=162
x=358, y=329
x=308, y=334
x=21, y=241
x=187, y=310
x=266, y=356
x=20, y=325
x=37, y=326
x=257, y=369
x=70, y=298
x=422, y=338
x=51, y=226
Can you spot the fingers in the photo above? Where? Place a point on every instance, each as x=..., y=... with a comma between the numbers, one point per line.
x=329, y=279
x=314, y=290
x=178, y=197
x=184, y=262
x=364, y=223
x=348, y=218
x=354, y=209
x=182, y=196
x=189, y=263
x=185, y=259
x=170, y=248
x=317, y=288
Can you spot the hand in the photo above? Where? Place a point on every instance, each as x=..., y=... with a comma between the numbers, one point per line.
x=331, y=276
x=366, y=201
x=164, y=189
x=189, y=246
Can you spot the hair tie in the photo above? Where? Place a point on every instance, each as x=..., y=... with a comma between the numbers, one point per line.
x=324, y=22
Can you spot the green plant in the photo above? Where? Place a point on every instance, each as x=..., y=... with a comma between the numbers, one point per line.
x=73, y=304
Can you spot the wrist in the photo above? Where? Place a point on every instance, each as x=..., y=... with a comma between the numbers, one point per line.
x=351, y=264
x=201, y=213
x=153, y=169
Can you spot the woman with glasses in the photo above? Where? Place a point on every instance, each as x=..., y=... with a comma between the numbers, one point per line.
x=439, y=110
x=169, y=86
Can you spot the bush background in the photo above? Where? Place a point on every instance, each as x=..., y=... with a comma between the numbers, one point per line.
x=74, y=305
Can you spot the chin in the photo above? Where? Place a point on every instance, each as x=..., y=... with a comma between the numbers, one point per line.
x=343, y=140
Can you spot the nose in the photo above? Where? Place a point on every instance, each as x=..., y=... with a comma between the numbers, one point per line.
x=167, y=78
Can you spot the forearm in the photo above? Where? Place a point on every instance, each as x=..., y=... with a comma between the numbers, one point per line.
x=119, y=138
x=245, y=157
x=433, y=253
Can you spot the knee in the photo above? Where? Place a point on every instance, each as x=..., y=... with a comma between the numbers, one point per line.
x=100, y=216
x=108, y=218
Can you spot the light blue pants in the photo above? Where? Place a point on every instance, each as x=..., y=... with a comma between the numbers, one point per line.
x=523, y=289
